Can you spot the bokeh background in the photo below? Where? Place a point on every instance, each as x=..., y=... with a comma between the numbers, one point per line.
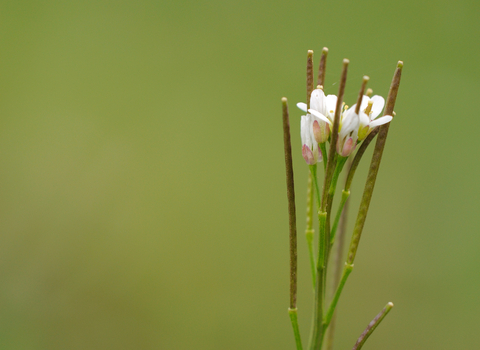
x=142, y=190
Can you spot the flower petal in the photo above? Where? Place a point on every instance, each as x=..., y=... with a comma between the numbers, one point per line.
x=320, y=116
x=364, y=119
x=330, y=105
x=378, y=104
x=331, y=101
x=350, y=121
x=304, y=129
x=380, y=121
x=317, y=101
x=302, y=106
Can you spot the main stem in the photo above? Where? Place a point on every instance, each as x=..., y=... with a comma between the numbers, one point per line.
x=318, y=331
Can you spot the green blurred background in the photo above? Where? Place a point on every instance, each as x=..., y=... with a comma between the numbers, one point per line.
x=142, y=190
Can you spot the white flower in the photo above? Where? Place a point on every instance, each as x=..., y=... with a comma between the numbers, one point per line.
x=322, y=109
x=370, y=109
x=348, y=134
x=310, y=150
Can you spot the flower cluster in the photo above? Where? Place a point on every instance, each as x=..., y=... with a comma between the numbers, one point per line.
x=316, y=125
x=327, y=119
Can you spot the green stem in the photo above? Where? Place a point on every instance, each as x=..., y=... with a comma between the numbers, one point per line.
x=346, y=272
x=296, y=330
x=345, y=195
x=372, y=326
x=338, y=169
x=316, y=337
x=309, y=232
x=323, y=148
x=322, y=219
x=331, y=193
x=309, y=236
x=310, y=192
x=317, y=330
x=313, y=170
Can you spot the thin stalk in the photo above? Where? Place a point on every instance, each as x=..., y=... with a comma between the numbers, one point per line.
x=309, y=76
x=313, y=171
x=322, y=67
x=334, y=136
x=309, y=232
x=360, y=94
x=372, y=326
x=296, y=330
x=343, y=201
x=338, y=169
x=331, y=192
x=346, y=271
x=311, y=253
x=292, y=221
x=310, y=194
x=321, y=81
x=374, y=166
x=323, y=149
x=319, y=301
x=316, y=336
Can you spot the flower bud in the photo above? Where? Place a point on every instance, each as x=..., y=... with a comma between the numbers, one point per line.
x=322, y=111
x=310, y=150
x=321, y=130
x=348, y=135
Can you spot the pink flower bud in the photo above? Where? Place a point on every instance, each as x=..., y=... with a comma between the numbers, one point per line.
x=347, y=148
x=308, y=155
